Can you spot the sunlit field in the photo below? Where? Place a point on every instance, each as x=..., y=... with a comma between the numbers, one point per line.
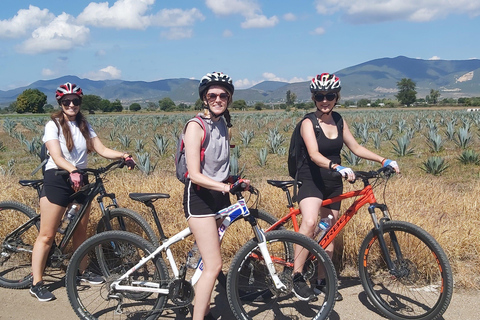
x=437, y=150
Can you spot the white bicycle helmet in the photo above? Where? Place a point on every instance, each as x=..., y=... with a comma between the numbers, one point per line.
x=325, y=82
x=215, y=78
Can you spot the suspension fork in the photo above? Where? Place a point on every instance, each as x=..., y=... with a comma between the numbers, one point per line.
x=262, y=244
x=379, y=232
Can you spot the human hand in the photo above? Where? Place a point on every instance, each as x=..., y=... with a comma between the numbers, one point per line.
x=391, y=163
x=239, y=185
x=347, y=173
x=76, y=179
x=129, y=162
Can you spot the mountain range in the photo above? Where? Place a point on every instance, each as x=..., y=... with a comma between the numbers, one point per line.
x=371, y=80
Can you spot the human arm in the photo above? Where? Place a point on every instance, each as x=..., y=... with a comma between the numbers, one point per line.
x=363, y=152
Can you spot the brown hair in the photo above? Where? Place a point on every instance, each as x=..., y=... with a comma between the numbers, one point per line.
x=59, y=119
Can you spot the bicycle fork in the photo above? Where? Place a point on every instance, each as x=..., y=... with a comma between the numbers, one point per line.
x=378, y=232
x=262, y=245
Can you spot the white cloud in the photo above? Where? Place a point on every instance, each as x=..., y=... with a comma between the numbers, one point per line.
x=47, y=72
x=267, y=76
x=249, y=9
x=123, y=14
x=289, y=17
x=107, y=73
x=227, y=33
x=176, y=17
x=374, y=11
x=62, y=34
x=177, y=33
x=245, y=83
x=25, y=21
x=318, y=31
x=259, y=21
x=435, y=58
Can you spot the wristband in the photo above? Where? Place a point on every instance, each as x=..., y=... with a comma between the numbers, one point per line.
x=330, y=165
x=383, y=161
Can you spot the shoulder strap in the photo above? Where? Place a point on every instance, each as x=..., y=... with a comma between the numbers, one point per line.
x=338, y=120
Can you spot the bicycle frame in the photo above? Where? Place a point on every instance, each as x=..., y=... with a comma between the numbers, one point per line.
x=230, y=214
x=365, y=195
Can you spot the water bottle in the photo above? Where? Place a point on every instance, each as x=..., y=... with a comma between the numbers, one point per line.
x=69, y=216
x=193, y=257
x=323, y=226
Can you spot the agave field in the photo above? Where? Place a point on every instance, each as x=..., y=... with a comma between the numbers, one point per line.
x=438, y=151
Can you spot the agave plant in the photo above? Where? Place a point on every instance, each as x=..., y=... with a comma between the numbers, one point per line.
x=125, y=140
x=351, y=158
x=450, y=132
x=9, y=126
x=402, y=147
x=377, y=139
x=161, y=144
x=246, y=136
x=144, y=163
x=462, y=138
x=434, y=165
x=262, y=157
x=9, y=170
x=469, y=156
x=275, y=140
x=435, y=142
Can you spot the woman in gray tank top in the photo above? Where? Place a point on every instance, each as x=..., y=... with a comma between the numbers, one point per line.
x=206, y=190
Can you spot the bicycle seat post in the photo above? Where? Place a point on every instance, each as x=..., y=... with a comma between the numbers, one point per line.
x=289, y=197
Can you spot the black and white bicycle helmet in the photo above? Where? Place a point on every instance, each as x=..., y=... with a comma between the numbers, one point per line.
x=68, y=88
x=215, y=78
x=325, y=82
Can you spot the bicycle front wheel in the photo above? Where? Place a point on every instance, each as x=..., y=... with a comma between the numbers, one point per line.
x=250, y=289
x=16, y=251
x=123, y=219
x=120, y=252
x=421, y=284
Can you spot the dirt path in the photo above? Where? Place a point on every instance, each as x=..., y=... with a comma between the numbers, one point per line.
x=18, y=304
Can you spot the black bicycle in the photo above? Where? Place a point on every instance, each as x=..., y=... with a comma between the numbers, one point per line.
x=19, y=226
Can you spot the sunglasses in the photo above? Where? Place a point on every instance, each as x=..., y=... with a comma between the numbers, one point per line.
x=213, y=96
x=329, y=96
x=66, y=102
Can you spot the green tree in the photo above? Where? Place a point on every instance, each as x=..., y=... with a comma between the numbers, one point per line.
x=407, y=94
x=239, y=104
x=362, y=103
x=434, y=95
x=91, y=103
x=166, y=104
x=198, y=104
x=116, y=106
x=31, y=100
x=259, y=106
x=290, y=98
x=151, y=106
x=135, y=107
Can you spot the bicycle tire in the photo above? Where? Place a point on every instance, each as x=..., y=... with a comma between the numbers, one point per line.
x=132, y=221
x=16, y=265
x=422, y=284
x=251, y=293
x=97, y=301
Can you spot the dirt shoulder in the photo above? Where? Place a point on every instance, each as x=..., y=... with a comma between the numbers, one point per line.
x=18, y=304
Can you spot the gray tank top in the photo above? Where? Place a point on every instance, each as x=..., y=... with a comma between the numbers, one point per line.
x=216, y=164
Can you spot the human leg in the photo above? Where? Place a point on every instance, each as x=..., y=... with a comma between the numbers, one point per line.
x=50, y=219
x=205, y=232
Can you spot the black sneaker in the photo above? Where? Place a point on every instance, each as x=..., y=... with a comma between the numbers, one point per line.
x=41, y=292
x=90, y=277
x=301, y=289
x=321, y=287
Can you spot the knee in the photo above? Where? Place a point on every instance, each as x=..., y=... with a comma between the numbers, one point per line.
x=46, y=239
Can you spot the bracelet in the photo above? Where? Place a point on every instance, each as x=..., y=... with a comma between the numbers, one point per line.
x=330, y=165
x=334, y=166
x=126, y=155
x=383, y=161
x=223, y=192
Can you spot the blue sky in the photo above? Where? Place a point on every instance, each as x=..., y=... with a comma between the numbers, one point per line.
x=251, y=40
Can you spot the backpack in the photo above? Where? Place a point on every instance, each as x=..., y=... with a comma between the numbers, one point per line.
x=44, y=155
x=297, y=153
x=180, y=161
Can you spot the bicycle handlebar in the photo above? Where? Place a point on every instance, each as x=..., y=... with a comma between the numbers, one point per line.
x=100, y=170
x=365, y=175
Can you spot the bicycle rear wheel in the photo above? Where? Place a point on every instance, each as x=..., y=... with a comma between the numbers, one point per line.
x=120, y=251
x=124, y=219
x=420, y=286
x=252, y=294
x=16, y=251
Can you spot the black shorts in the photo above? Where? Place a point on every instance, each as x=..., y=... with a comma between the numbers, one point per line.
x=57, y=188
x=201, y=202
x=322, y=190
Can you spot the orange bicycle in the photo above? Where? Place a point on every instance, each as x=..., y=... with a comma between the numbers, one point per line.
x=404, y=271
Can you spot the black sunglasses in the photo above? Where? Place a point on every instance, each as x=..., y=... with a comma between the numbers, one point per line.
x=213, y=96
x=329, y=96
x=66, y=102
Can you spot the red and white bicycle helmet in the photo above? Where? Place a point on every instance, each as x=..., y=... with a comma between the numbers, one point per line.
x=325, y=82
x=68, y=88
x=215, y=78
